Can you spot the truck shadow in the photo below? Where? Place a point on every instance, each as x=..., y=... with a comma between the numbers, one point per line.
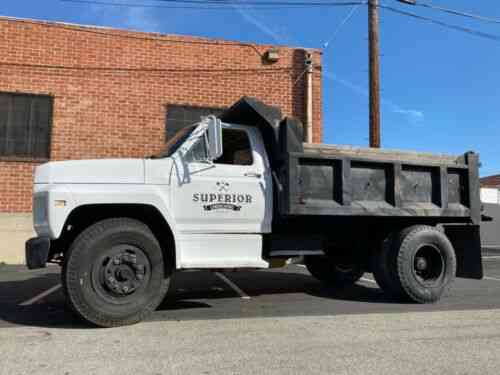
x=50, y=311
x=192, y=295
x=186, y=287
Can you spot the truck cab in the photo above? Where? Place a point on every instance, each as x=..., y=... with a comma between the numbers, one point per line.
x=243, y=192
x=221, y=202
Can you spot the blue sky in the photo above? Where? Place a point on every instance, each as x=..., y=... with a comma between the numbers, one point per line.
x=440, y=87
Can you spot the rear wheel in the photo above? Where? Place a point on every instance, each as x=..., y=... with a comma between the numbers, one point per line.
x=333, y=271
x=114, y=273
x=418, y=263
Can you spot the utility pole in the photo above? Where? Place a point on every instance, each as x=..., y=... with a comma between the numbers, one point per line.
x=373, y=40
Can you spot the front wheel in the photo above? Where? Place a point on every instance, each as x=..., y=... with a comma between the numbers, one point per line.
x=333, y=272
x=114, y=273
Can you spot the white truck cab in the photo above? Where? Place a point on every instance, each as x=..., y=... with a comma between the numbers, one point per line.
x=209, y=197
x=243, y=191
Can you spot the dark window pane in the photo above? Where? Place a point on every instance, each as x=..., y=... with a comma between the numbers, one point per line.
x=25, y=125
x=19, y=122
x=4, y=119
x=236, y=148
x=180, y=116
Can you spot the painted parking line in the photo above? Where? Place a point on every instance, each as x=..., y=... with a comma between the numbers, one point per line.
x=40, y=296
x=491, y=278
x=368, y=280
x=235, y=287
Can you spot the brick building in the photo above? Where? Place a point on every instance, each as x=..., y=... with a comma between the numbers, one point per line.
x=74, y=92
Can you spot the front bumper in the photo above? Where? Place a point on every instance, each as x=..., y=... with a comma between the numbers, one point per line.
x=37, y=252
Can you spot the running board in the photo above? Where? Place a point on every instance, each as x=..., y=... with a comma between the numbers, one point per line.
x=294, y=253
x=284, y=245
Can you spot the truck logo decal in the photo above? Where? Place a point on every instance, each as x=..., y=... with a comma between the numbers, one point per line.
x=223, y=200
x=221, y=206
x=222, y=186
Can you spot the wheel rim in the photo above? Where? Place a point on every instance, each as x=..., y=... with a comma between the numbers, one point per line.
x=120, y=273
x=428, y=265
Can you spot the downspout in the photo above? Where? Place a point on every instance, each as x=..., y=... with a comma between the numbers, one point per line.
x=308, y=62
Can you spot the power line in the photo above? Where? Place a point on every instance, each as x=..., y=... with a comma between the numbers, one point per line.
x=265, y=2
x=341, y=24
x=137, y=5
x=216, y=5
x=157, y=6
x=151, y=70
x=455, y=12
x=443, y=24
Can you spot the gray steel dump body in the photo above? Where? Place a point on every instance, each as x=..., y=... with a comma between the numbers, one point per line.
x=315, y=179
x=340, y=181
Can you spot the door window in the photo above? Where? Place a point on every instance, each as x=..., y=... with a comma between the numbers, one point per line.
x=236, y=148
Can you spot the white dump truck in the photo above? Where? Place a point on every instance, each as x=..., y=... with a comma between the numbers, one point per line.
x=243, y=191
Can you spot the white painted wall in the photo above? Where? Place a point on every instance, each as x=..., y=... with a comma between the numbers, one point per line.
x=490, y=195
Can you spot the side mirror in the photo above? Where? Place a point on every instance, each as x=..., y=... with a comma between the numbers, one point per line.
x=214, y=138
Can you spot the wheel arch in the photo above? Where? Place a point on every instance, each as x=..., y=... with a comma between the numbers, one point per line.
x=83, y=216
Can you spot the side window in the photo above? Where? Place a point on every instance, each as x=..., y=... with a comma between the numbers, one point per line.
x=198, y=151
x=236, y=148
x=25, y=125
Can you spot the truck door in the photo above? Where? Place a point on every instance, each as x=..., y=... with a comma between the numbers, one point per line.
x=231, y=195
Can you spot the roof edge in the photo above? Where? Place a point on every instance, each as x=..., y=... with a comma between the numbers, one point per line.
x=158, y=35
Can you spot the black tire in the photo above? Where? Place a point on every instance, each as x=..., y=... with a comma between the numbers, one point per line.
x=114, y=273
x=332, y=273
x=418, y=264
x=384, y=268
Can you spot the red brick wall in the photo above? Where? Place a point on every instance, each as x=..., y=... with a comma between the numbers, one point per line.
x=112, y=104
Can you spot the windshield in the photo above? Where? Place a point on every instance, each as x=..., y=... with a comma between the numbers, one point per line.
x=174, y=142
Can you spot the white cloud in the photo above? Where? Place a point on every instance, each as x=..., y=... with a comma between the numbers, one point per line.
x=137, y=18
x=278, y=37
x=141, y=19
x=413, y=116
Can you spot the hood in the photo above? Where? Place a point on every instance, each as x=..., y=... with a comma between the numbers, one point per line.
x=101, y=171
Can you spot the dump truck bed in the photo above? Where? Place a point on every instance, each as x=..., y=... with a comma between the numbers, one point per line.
x=331, y=180
x=343, y=180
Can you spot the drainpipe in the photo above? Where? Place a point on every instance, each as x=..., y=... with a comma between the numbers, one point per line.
x=309, y=97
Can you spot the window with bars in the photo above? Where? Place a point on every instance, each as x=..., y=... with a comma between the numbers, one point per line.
x=25, y=125
x=180, y=116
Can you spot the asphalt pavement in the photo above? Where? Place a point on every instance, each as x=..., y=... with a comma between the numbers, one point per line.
x=270, y=321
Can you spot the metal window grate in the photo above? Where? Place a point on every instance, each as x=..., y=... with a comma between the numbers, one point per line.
x=180, y=116
x=25, y=125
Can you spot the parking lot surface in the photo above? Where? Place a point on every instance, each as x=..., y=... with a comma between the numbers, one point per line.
x=272, y=321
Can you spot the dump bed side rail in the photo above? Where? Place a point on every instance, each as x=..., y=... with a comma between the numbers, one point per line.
x=339, y=181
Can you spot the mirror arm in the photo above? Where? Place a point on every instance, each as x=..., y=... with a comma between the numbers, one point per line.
x=207, y=145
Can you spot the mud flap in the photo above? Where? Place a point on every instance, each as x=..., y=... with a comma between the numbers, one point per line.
x=466, y=241
x=37, y=252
